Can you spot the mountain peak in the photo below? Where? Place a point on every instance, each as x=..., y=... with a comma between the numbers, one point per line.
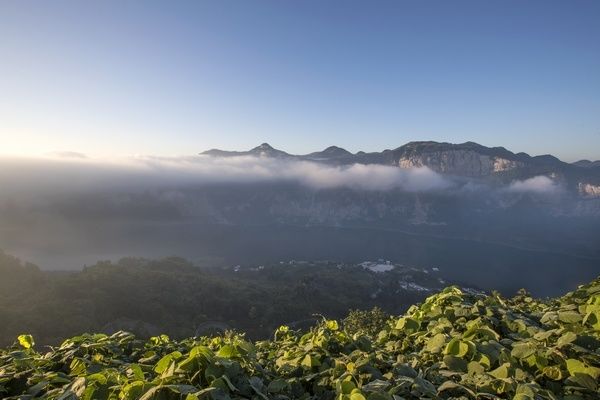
x=266, y=150
x=331, y=153
x=336, y=151
x=264, y=147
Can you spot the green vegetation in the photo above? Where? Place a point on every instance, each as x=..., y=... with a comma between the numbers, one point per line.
x=150, y=297
x=453, y=345
x=369, y=322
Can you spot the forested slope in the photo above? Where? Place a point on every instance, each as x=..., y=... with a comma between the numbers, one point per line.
x=174, y=296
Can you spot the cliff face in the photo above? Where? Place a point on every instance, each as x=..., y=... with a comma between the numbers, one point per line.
x=459, y=162
x=589, y=190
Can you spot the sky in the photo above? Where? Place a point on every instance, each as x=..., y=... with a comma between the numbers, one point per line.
x=178, y=77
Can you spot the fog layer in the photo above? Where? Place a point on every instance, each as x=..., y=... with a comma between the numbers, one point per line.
x=68, y=173
x=67, y=210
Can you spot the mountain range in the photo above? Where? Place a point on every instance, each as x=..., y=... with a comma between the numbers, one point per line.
x=587, y=163
x=468, y=159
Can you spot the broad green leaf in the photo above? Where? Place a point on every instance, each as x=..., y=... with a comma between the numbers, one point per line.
x=457, y=348
x=164, y=363
x=565, y=339
x=475, y=368
x=26, y=341
x=454, y=363
x=584, y=380
x=408, y=324
x=570, y=317
x=522, y=349
x=310, y=361
x=345, y=387
x=277, y=386
x=525, y=392
x=577, y=367
x=227, y=351
x=436, y=343
x=501, y=372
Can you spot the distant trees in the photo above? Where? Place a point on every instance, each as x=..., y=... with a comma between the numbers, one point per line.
x=173, y=296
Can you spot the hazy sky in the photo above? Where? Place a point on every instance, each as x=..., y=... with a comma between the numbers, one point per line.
x=179, y=77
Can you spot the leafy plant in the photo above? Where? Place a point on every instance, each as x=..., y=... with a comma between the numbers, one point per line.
x=454, y=345
x=366, y=321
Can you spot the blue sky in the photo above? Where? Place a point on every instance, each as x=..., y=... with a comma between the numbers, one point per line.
x=179, y=77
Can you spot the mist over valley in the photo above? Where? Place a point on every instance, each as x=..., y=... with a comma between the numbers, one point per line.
x=486, y=216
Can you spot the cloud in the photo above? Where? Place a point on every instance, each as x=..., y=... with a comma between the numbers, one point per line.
x=359, y=176
x=67, y=154
x=537, y=184
x=60, y=174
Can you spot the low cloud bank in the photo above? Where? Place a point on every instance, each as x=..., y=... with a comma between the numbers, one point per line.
x=206, y=169
x=60, y=173
x=538, y=184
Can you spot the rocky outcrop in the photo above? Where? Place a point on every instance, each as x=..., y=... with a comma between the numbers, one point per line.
x=589, y=190
x=459, y=162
